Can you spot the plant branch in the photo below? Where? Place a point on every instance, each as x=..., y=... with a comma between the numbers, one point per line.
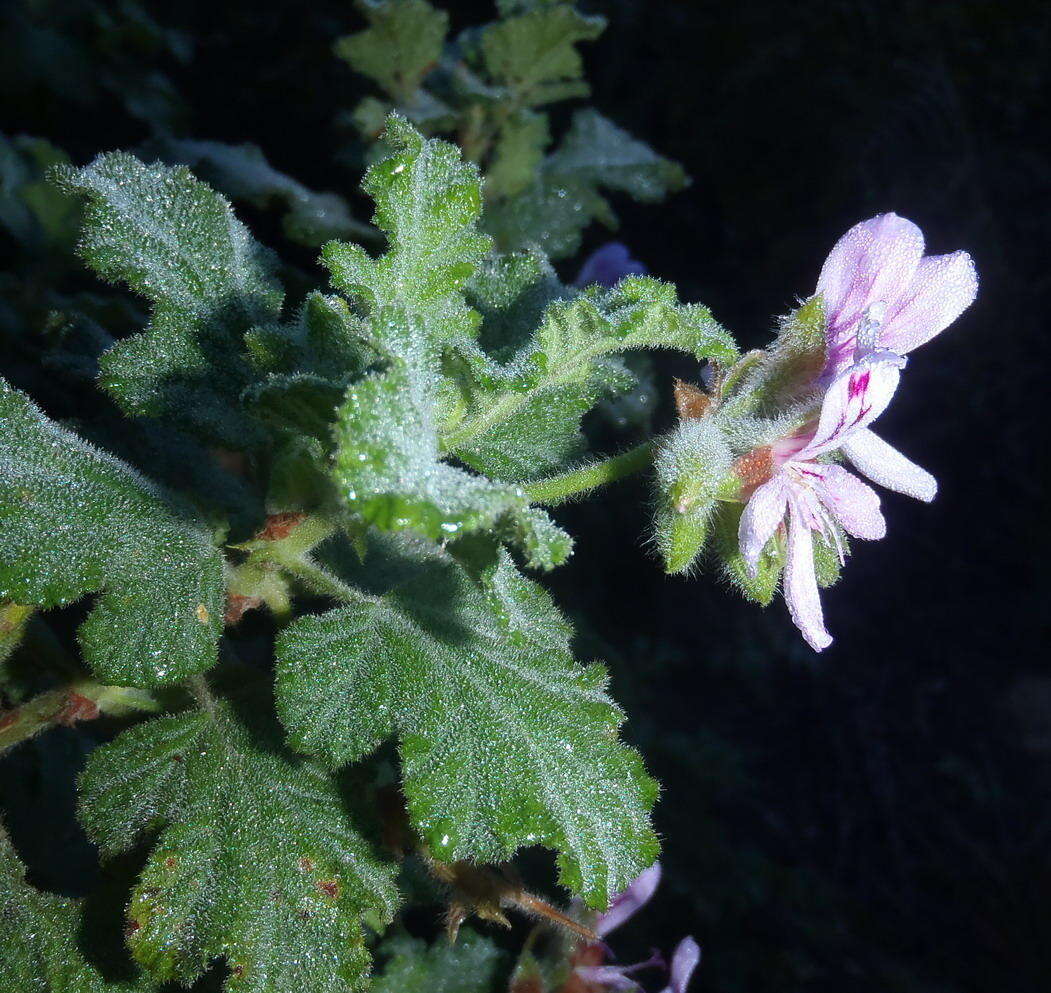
x=558, y=489
x=83, y=700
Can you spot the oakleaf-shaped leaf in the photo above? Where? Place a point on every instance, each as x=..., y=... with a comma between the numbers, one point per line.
x=74, y=520
x=387, y=461
x=534, y=53
x=39, y=939
x=257, y=859
x=567, y=191
x=402, y=43
x=505, y=740
x=176, y=242
x=427, y=203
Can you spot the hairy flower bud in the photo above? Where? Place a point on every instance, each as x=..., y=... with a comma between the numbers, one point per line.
x=694, y=470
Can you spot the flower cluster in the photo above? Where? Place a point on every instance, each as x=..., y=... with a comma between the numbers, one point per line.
x=883, y=297
x=775, y=428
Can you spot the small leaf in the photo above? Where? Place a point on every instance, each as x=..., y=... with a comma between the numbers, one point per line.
x=74, y=520
x=505, y=740
x=472, y=965
x=534, y=53
x=256, y=860
x=402, y=43
x=177, y=243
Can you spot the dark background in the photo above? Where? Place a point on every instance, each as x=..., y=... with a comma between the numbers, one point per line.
x=876, y=817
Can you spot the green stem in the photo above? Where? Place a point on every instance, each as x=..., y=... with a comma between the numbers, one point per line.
x=79, y=701
x=558, y=489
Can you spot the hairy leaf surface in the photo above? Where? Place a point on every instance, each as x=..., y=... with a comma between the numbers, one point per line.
x=472, y=965
x=257, y=859
x=176, y=242
x=39, y=939
x=505, y=739
x=74, y=520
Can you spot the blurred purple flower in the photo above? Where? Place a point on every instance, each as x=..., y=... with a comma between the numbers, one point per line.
x=686, y=958
x=627, y=903
x=608, y=265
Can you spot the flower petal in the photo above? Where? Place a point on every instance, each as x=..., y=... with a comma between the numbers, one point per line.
x=610, y=977
x=855, y=398
x=853, y=504
x=801, y=594
x=884, y=464
x=943, y=287
x=608, y=265
x=628, y=902
x=874, y=261
x=684, y=960
x=762, y=514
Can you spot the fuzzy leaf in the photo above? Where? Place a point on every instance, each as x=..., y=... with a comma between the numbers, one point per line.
x=256, y=860
x=176, y=242
x=565, y=195
x=522, y=417
x=402, y=43
x=74, y=520
x=387, y=461
x=534, y=53
x=505, y=740
x=472, y=965
x=39, y=939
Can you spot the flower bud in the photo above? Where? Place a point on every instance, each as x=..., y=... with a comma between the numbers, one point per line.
x=694, y=470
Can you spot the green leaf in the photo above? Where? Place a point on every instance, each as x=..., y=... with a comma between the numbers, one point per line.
x=565, y=194
x=517, y=154
x=534, y=53
x=521, y=418
x=387, y=462
x=74, y=520
x=39, y=935
x=243, y=173
x=402, y=43
x=473, y=965
x=32, y=211
x=176, y=242
x=597, y=153
x=256, y=860
x=427, y=203
x=505, y=740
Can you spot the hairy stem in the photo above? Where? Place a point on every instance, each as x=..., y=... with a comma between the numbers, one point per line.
x=558, y=489
x=83, y=700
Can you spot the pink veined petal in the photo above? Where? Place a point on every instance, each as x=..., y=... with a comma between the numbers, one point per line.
x=627, y=903
x=874, y=261
x=853, y=504
x=943, y=287
x=762, y=514
x=801, y=593
x=685, y=959
x=885, y=465
x=853, y=400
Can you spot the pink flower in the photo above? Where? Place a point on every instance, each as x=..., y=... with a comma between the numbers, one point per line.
x=877, y=282
x=627, y=903
x=822, y=496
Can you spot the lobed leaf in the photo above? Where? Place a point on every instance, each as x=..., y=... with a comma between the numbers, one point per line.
x=257, y=859
x=505, y=740
x=176, y=242
x=74, y=520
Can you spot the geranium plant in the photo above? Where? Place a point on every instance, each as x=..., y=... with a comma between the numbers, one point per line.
x=372, y=464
